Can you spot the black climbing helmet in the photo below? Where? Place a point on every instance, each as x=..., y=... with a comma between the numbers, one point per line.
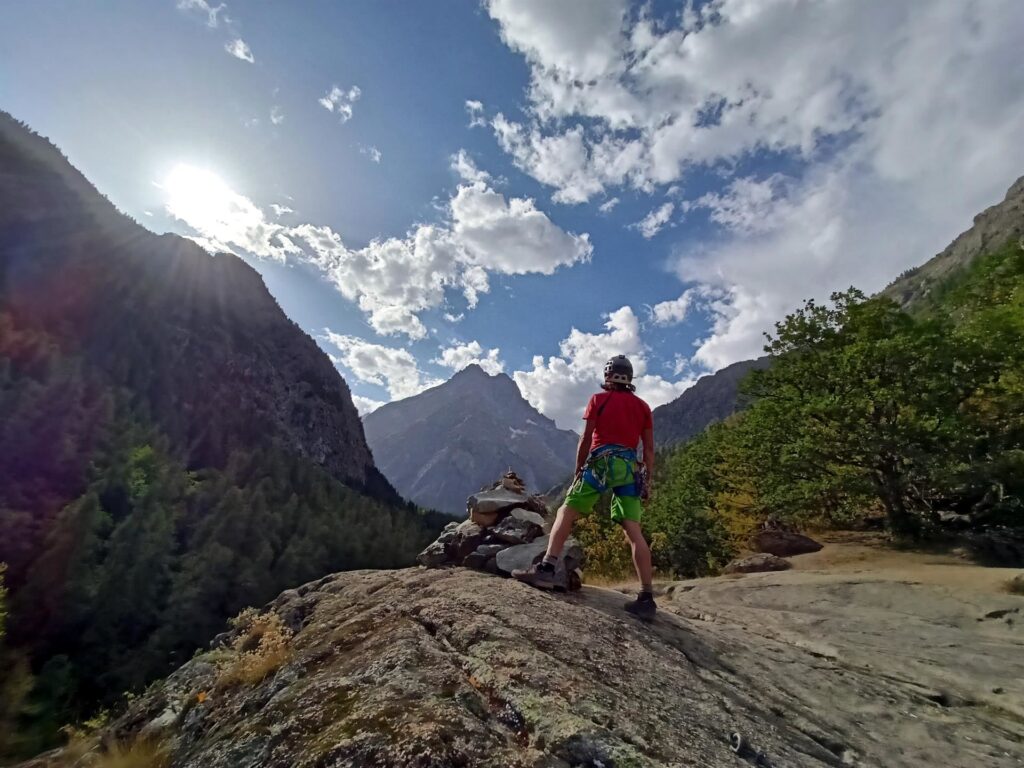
x=618, y=370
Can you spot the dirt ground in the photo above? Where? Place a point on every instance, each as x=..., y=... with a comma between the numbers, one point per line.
x=872, y=554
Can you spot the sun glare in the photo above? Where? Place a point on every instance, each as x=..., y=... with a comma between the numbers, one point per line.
x=199, y=197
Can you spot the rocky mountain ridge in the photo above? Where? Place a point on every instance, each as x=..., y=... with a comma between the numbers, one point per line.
x=462, y=434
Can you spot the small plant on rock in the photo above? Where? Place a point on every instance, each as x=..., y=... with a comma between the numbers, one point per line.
x=261, y=647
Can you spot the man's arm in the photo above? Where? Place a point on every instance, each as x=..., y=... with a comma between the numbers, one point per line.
x=583, y=449
x=648, y=440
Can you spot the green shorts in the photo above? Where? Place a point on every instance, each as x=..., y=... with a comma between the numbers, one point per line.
x=619, y=476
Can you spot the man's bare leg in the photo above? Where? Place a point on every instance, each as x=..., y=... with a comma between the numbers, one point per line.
x=560, y=531
x=545, y=573
x=644, y=607
x=641, y=553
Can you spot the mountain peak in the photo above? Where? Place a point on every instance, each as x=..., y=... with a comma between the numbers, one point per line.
x=442, y=444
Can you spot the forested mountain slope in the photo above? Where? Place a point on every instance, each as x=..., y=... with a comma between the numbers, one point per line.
x=462, y=434
x=172, y=447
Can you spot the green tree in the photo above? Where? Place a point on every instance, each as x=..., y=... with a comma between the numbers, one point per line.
x=861, y=403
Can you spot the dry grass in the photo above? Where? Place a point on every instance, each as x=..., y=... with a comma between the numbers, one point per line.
x=260, y=649
x=143, y=753
x=1015, y=586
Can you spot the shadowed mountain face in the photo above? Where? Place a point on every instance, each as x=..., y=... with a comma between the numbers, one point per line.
x=442, y=444
x=172, y=447
x=712, y=399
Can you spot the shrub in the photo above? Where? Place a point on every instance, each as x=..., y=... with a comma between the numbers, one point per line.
x=261, y=647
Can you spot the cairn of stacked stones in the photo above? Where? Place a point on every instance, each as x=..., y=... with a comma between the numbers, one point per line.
x=505, y=530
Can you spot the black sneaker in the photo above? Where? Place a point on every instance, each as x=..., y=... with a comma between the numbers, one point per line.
x=643, y=607
x=541, y=575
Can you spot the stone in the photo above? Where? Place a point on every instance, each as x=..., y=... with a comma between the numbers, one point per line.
x=527, y=516
x=783, y=543
x=512, y=530
x=475, y=560
x=490, y=550
x=496, y=500
x=470, y=536
x=758, y=563
x=483, y=519
x=524, y=555
x=434, y=555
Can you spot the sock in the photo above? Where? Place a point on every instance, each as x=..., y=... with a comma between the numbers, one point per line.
x=550, y=561
x=646, y=592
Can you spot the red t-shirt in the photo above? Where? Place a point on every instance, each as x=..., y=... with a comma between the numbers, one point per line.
x=622, y=420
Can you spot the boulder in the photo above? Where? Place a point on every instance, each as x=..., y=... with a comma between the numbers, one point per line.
x=783, y=543
x=469, y=537
x=527, y=516
x=512, y=530
x=758, y=563
x=434, y=555
x=483, y=519
x=523, y=556
x=496, y=500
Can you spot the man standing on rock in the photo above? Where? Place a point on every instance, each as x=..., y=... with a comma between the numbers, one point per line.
x=617, y=420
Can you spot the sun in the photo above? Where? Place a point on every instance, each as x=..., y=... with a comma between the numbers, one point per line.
x=199, y=197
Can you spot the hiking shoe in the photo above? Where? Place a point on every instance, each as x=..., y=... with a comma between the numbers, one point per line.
x=643, y=607
x=541, y=575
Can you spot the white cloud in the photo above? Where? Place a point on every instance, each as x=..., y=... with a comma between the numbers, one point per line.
x=394, y=369
x=903, y=119
x=240, y=50
x=340, y=101
x=463, y=165
x=654, y=222
x=560, y=386
x=280, y=210
x=276, y=115
x=451, y=318
x=366, y=405
x=673, y=311
x=511, y=236
x=201, y=6
x=608, y=205
x=475, y=110
x=395, y=279
x=223, y=218
x=459, y=356
x=372, y=152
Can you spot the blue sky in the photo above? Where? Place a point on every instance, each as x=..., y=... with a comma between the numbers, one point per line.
x=535, y=184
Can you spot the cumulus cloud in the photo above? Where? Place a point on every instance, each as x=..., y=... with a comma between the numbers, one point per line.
x=392, y=279
x=459, y=356
x=560, y=386
x=467, y=170
x=655, y=221
x=240, y=50
x=673, y=311
x=394, y=369
x=341, y=101
x=608, y=205
x=280, y=210
x=902, y=121
x=276, y=115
